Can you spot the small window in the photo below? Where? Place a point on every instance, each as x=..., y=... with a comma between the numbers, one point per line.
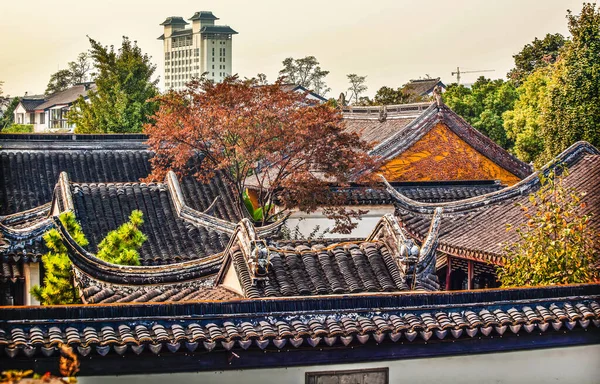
x=32, y=118
x=42, y=118
x=358, y=376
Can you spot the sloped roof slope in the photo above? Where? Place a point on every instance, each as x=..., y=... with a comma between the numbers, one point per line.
x=476, y=228
x=66, y=97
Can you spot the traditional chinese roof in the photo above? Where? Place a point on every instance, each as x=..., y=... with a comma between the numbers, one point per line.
x=376, y=264
x=174, y=20
x=203, y=15
x=21, y=234
x=394, y=129
x=218, y=29
x=31, y=164
x=476, y=228
x=309, y=330
x=103, y=176
x=101, y=208
x=425, y=191
x=377, y=124
x=405, y=138
x=422, y=87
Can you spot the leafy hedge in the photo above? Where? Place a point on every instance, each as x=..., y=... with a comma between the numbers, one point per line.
x=18, y=128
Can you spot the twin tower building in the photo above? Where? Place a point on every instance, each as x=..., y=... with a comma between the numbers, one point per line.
x=191, y=51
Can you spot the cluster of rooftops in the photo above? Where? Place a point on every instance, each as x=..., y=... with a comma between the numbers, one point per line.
x=212, y=281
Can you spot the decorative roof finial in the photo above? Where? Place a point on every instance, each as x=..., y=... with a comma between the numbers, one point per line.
x=437, y=93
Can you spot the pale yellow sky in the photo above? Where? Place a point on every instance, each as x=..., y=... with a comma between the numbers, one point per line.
x=390, y=41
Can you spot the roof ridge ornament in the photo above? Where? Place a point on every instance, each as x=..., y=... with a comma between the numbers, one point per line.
x=382, y=113
x=416, y=264
x=437, y=93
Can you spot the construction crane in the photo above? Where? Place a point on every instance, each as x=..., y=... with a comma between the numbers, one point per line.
x=459, y=72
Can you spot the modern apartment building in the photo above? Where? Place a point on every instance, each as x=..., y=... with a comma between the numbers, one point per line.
x=190, y=52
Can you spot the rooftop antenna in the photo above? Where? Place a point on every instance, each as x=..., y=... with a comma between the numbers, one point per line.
x=458, y=72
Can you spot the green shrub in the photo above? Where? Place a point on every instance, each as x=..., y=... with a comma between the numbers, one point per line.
x=18, y=128
x=118, y=247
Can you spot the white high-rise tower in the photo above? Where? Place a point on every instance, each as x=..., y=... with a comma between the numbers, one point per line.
x=190, y=52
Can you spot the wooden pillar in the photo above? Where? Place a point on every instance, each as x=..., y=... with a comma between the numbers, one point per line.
x=448, y=272
x=469, y=274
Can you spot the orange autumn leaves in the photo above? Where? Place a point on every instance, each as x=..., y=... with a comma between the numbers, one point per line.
x=286, y=147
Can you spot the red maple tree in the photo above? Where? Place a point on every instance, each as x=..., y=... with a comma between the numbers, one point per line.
x=276, y=142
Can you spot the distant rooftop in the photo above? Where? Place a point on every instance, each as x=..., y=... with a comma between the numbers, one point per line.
x=203, y=15
x=174, y=20
x=218, y=29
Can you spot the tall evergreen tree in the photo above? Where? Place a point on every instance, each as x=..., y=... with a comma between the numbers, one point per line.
x=122, y=101
x=58, y=285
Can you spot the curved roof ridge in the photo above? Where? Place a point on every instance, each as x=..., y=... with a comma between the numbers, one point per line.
x=385, y=147
x=568, y=157
x=90, y=264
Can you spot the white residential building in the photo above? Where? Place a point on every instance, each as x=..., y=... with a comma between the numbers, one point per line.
x=190, y=52
x=49, y=113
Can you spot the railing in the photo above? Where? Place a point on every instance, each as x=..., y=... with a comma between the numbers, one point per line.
x=374, y=111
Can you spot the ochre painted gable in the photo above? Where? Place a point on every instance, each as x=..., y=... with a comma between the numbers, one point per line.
x=441, y=155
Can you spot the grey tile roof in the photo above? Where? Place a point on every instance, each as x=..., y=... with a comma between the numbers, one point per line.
x=66, y=97
x=218, y=29
x=424, y=320
x=106, y=186
x=338, y=269
x=174, y=20
x=101, y=208
x=203, y=15
x=422, y=87
x=426, y=192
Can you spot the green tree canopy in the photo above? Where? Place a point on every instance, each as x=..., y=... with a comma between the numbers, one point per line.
x=77, y=72
x=556, y=244
x=524, y=123
x=122, y=101
x=8, y=117
x=59, y=81
x=482, y=106
x=120, y=246
x=535, y=55
x=357, y=86
x=306, y=72
x=572, y=111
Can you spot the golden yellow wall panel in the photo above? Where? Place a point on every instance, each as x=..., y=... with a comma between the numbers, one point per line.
x=442, y=155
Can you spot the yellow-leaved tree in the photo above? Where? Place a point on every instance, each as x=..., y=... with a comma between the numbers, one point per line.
x=556, y=243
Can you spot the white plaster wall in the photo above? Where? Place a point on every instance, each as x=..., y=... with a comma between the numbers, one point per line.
x=580, y=365
x=20, y=111
x=306, y=222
